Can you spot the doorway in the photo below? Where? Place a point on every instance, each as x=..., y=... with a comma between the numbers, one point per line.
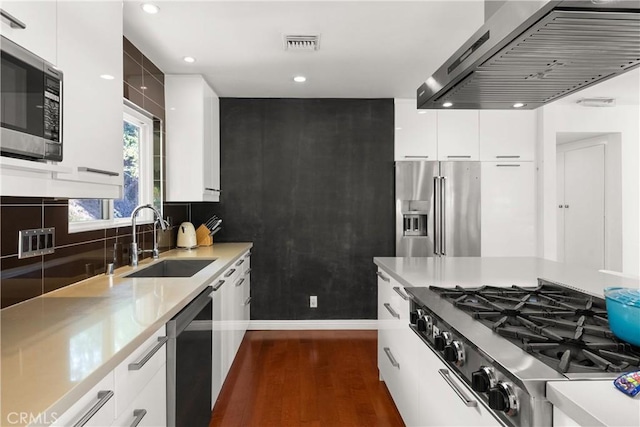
x=588, y=201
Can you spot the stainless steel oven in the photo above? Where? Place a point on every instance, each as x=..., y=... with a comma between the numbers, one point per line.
x=31, y=105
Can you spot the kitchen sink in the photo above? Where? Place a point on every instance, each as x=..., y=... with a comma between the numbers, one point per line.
x=173, y=268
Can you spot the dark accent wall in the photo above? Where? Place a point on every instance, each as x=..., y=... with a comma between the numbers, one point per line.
x=310, y=182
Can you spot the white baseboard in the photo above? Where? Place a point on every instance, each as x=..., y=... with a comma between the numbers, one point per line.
x=262, y=325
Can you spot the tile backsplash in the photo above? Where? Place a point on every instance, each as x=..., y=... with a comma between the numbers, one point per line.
x=77, y=256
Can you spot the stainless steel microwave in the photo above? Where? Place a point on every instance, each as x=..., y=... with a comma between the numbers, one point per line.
x=30, y=105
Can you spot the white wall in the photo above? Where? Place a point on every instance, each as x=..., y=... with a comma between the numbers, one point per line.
x=623, y=119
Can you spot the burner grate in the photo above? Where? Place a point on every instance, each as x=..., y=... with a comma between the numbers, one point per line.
x=563, y=327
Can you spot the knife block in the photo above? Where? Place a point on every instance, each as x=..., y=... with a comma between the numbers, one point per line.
x=203, y=236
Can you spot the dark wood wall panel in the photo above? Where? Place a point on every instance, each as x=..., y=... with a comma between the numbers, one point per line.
x=310, y=182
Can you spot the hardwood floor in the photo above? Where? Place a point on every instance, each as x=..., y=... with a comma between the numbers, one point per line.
x=305, y=378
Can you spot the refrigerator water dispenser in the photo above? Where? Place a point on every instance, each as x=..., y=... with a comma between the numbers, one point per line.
x=415, y=224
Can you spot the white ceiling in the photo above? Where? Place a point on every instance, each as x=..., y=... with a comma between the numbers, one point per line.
x=624, y=88
x=368, y=49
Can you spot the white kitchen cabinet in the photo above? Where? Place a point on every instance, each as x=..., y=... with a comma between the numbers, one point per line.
x=439, y=404
x=416, y=136
x=395, y=363
x=90, y=49
x=135, y=372
x=231, y=302
x=100, y=398
x=149, y=406
x=458, y=135
x=507, y=135
x=193, y=140
x=508, y=209
x=39, y=34
x=218, y=339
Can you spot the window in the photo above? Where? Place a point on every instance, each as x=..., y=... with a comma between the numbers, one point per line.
x=85, y=214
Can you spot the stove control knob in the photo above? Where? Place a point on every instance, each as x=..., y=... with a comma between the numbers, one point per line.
x=483, y=379
x=425, y=324
x=502, y=397
x=413, y=318
x=442, y=340
x=454, y=352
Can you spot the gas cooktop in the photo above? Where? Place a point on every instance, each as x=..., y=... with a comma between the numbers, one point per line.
x=564, y=328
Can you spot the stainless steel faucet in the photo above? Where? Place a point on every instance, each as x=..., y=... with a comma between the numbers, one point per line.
x=134, y=252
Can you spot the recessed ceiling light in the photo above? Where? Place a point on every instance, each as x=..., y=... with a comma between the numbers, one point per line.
x=151, y=9
x=107, y=76
x=398, y=128
x=447, y=104
x=422, y=111
x=299, y=79
x=189, y=59
x=518, y=105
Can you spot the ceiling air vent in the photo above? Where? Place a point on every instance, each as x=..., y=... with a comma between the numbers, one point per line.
x=301, y=43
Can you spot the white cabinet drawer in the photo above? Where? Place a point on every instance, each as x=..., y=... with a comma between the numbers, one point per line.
x=392, y=299
x=149, y=406
x=398, y=365
x=98, y=405
x=135, y=372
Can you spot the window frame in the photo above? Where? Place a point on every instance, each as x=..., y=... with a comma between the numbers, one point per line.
x=144, y=121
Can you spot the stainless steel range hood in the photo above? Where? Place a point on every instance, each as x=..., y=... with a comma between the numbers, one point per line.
x=535, y=52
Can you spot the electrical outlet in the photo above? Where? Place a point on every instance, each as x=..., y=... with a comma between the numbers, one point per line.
x=38, y=241
x=313, y=301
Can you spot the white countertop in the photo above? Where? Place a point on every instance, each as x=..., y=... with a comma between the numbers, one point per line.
x=498, y=271
x=588, y=402
x=595, y=403
x=57, y=346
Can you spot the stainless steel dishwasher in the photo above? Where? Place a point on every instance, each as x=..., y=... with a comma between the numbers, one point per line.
x=189, y=364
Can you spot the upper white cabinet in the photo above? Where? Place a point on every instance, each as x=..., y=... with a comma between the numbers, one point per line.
x=90, y=56
x=458, y=135
x=507, y=135
x=39, y=21
x=193, y=140
x=508, y=209
x=416, y=136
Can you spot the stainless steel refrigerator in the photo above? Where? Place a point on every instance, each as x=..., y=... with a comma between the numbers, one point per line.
x=437, y=208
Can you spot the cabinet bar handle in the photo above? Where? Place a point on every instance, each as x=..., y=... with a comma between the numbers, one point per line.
x=507, y=157
x=392, y=359
x=98, y=171
x=382, y=276
x=240, y=282
x=239, y=263
x=402, y=294
x=458, y=157
x=248, y=301
x=213, y=189
x=508, y=166
x=13, y=21
x=218, y=285
x=138, y=365
x=416, y=157
x=391, y=310
x=230, y=272
x=246, y=273
x=139, y=415
x=103, y=397
x=247, y=255
x=445, y=374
